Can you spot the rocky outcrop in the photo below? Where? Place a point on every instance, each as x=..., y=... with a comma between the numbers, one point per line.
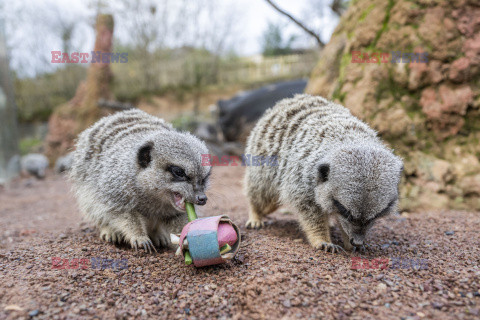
x=429, y=112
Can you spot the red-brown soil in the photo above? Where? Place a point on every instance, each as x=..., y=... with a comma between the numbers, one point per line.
x=276, y=274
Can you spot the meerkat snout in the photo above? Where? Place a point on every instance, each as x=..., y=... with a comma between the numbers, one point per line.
x=359, y=187
x=201, y=199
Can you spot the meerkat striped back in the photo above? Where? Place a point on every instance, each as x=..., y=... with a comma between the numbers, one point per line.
x=301, y=121
x=94, y=142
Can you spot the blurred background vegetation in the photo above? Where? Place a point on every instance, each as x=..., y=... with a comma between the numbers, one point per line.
x=189, y=53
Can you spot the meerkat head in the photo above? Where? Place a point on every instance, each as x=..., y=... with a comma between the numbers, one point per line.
x=170, y=169
x=359, y=184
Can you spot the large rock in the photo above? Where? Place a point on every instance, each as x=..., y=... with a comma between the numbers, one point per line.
x=238, y=115
x=428, y=112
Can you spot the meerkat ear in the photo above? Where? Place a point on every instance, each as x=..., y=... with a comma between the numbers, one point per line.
x=323, y=171
x=144, y=155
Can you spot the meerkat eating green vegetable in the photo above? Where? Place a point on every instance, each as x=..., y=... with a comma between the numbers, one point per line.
x=132, y=173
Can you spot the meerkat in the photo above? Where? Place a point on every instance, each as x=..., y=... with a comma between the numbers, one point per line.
x=64, y=163
x=132, y=173
x=35, y=164
x=330, y=164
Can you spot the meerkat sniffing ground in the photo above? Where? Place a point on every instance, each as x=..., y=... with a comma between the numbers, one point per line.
x=132, y=174
x=329, y=164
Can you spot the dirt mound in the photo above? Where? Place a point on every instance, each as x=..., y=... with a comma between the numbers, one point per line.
x=426, y=103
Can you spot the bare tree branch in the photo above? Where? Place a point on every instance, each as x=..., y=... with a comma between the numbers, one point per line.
x=298, y=23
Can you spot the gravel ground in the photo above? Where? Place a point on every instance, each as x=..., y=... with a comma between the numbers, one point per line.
x=276, y=275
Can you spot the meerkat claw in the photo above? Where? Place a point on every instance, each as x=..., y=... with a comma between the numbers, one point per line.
x=150, y=246
x=254, y=224
x=330, y=247
x=144, y=242
x=360, y=248
x=106, y=234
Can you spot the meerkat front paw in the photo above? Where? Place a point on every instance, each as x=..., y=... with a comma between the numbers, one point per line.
x=329, y=247
x=107, y=234
x=254, y=223
x=142, y=241
x=162, y=238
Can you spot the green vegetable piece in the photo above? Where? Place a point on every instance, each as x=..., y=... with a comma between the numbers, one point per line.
x=226, y=248
x=188, y=258
x=191, y=216
x=190, y=211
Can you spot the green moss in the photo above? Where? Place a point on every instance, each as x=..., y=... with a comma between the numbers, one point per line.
x=28, y=145
x=344, y=61
x=366, y=12
x=390, y=5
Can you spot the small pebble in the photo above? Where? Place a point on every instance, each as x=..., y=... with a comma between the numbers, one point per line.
x=287, y=303
x=382, y=287
x=437, y=305
x=33, y=313
x=449, y=233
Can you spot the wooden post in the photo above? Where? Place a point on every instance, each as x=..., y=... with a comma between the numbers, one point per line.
x=9, y=155
x=71, y=118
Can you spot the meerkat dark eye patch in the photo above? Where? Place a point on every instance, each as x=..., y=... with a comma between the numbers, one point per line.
x=177, y=173
x=205, y=180
x=383, y=212
x=343, y=211
x=387, y=208
x=144, y=156
x=323, y=171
